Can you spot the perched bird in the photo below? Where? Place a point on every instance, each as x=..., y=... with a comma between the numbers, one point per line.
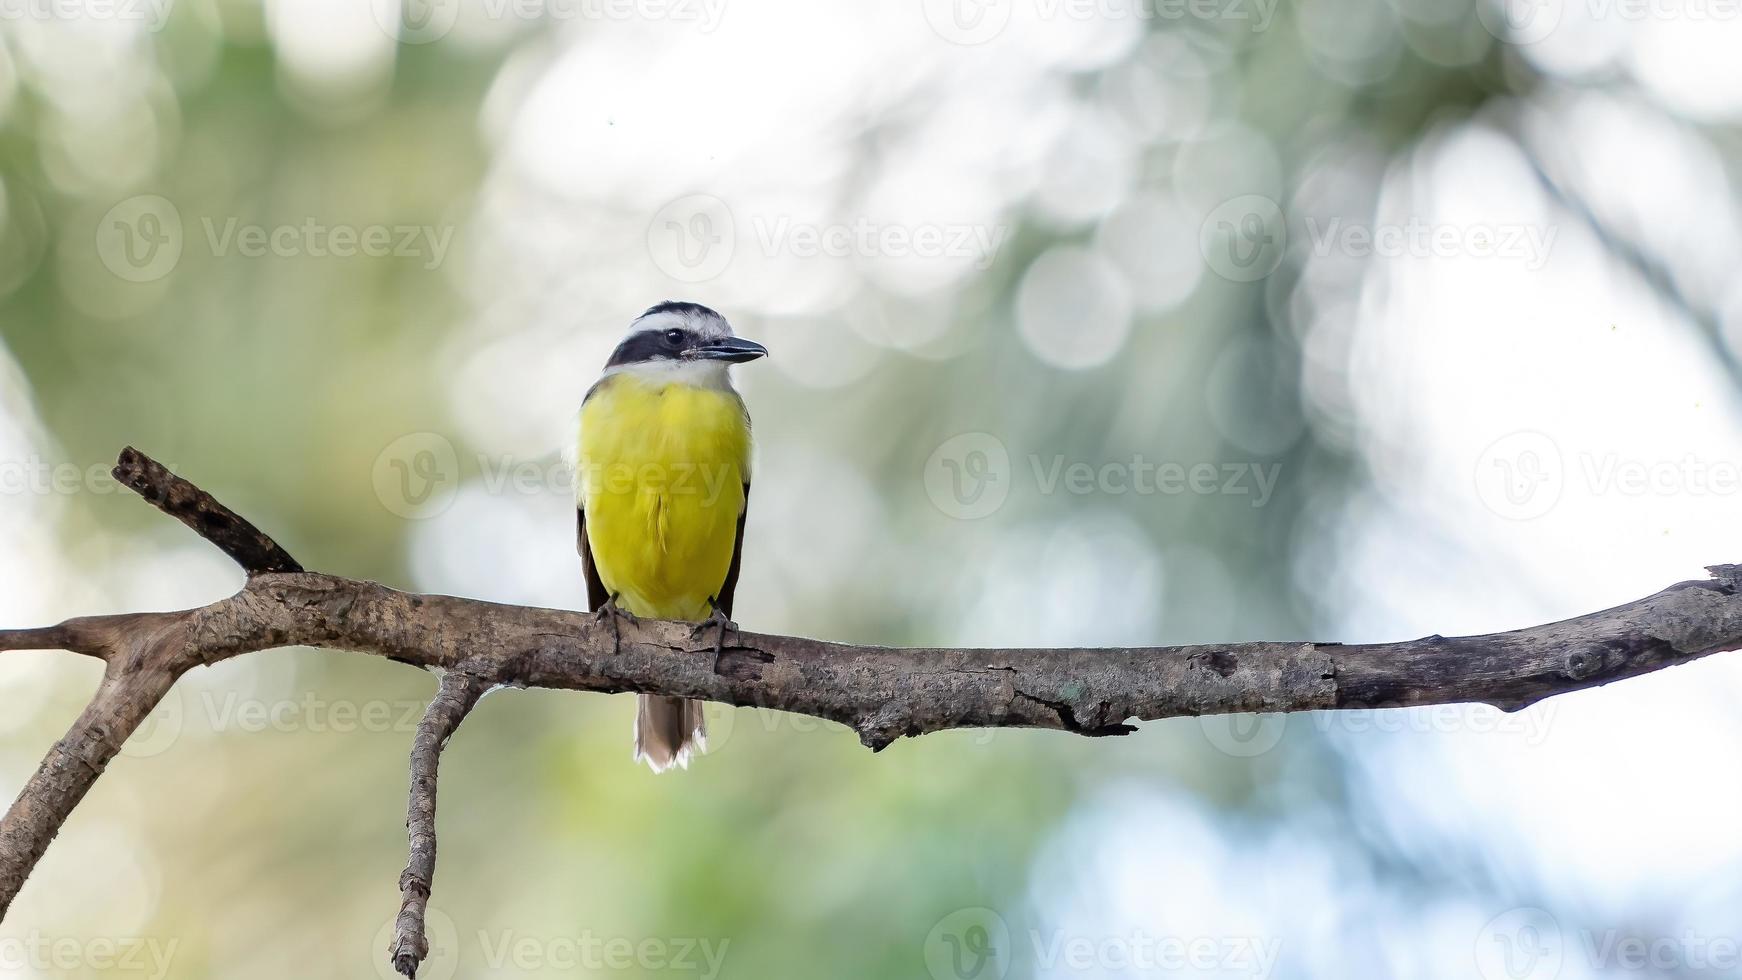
x=662, y=485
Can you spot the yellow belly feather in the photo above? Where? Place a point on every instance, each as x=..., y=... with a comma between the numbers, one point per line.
x=661, y=478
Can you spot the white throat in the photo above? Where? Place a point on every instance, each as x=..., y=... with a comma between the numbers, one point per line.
x=697, y=373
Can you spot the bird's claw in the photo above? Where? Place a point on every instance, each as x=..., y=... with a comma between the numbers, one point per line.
x=720, y=623
x=617, y=615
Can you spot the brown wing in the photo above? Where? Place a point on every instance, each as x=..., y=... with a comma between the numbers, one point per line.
x=596, y=594
x=730, y=588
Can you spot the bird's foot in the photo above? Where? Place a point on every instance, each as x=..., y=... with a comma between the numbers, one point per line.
x=618, y=616
x=719, y=622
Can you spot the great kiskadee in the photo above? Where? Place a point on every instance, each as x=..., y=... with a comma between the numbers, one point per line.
x=662, y=485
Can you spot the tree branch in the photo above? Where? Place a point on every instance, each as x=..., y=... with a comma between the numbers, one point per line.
x=459, y=693
x=72, y=766
x=67, y=636
x=178, y=498
x=881, y=693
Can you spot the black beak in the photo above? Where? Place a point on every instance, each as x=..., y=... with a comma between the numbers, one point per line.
x=734, y=349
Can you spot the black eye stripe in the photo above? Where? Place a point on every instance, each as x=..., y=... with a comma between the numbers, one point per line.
x=649, y=345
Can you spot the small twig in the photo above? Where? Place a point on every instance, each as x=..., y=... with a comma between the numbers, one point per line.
x=459, y=693
x=178, y=498
x=67, y=636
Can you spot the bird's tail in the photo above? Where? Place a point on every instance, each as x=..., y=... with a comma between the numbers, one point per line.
x=668, y=731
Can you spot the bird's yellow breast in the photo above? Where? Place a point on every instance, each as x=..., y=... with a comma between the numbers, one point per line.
x=661, y=473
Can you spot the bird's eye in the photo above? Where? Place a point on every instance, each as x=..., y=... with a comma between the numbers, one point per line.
x=674, y=337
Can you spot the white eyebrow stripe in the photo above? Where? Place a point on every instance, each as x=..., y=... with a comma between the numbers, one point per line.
x=706, y=327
